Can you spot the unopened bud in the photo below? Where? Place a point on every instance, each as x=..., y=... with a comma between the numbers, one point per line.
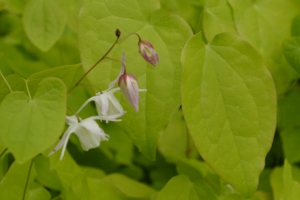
x=130, y=89
x=147, y=51
x=118, y=32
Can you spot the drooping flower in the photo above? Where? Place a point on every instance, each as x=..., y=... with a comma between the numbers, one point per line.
x=130, y=89
x=88, y=131
x=147, y=51
x=107, y=105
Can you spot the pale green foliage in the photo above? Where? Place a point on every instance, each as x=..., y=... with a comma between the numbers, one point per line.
x=43, y=23
x=229, y=102
x=205, y=125
x=42, y=115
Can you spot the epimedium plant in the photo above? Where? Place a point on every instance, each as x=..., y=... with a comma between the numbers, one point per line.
x=210, y=113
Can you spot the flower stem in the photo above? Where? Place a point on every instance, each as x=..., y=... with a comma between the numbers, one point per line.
x=3, y=152
x=27, y=180
x=126, y=36
x=6, y=81
x=115, y=60
x=86, y=73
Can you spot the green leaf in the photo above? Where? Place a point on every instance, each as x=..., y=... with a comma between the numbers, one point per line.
x=162, y=82
x=217, y=18
x=66, y=169
x=45, y=175
x=65, y=73
x=291, y=140
x=197, y=170
x=291, y=184
x=118, y=187
x=31, y=125
x=71, y=9
x=296, y=26
x=11, y=28
x=189, y=10
x=15, y=82
x=258, y=22
x=291, y=50
x=39, y=194
x=15, y=60
x=175, y=143
x=79, y=188
x=43, y=23
x=13, y=183
x=181, y=188
x=14, y=6
x=276, y=180
x=289, y=110
x=229, y=104
x=119, y=144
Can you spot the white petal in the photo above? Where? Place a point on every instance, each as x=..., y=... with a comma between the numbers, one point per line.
x=86, y=102
x=103, y=104
x=63, y=142
x=71, y=120
x=115, y=103
x=90, y=134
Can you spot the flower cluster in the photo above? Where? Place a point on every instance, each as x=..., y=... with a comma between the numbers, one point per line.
x=108, y=107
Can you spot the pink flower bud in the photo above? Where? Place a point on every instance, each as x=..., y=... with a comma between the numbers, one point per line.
x=147, y=51
x=130, y=89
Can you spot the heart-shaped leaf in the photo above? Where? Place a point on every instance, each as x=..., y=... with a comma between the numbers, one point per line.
x=31, y=125
x=43, y=23
x=98, y=21
x=229, y=103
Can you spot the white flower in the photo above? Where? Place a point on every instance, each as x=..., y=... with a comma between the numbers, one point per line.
x=107, y=105
x=88, y=131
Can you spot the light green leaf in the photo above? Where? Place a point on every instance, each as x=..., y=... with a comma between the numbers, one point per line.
x=291, y=50
x=162, y=82
x=79, y=188
x=290, y=142
x=276, y=180
x=65, y=73
x=45, y=175
x=181, y=188
x=15, y=82
x=197, y=170
x=291, y=184
x=39, y=194
x=118, y=187
x=66, y=169
x=13, y=183
x=289, y=110
x=30, y=126
x=43, y=23
x=229, y=104
x=217, y=18
x=119, y=144
x=175, y=142
x=258, y=22
x=71, y=9
x=190, y=10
